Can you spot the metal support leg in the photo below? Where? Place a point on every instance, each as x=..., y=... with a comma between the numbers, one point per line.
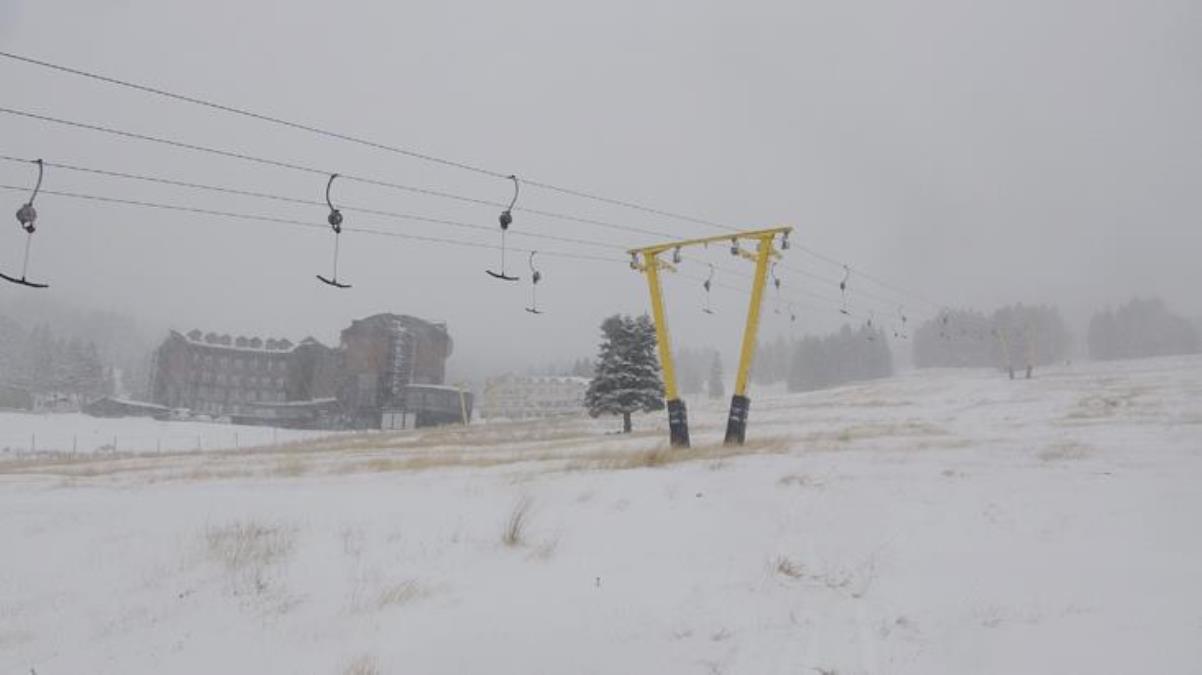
x=678, y=421
x=740, y=405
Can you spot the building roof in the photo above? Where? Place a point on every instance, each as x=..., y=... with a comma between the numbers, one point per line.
x=241, y=344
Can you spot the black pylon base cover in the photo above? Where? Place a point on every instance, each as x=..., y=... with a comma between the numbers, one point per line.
x=678, y=424
x=736, y=424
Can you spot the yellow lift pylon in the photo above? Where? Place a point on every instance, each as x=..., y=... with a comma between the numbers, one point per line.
x=650, y=265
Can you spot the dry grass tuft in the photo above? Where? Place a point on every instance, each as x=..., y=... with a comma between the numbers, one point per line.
x=798, y=479
x=1065, y=451
x=290, y=467
x=789, y=568
x=248, y=550
x=400, y=594
x=664, y=455
x=363, y=665
x=515, y=528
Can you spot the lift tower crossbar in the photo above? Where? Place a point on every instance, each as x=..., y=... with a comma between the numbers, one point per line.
x=647, y=260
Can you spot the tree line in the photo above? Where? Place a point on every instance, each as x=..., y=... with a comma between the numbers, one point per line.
x=1141, y=328
x=39, y=362
x=1013, y=338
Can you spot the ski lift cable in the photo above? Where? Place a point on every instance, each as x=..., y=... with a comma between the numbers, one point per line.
x=155, y=179
x=292, y=166
x=307, y=169
x=364, y=230
x=309, y=202
x=346, y=208
x=302, y=223
x=422, y=156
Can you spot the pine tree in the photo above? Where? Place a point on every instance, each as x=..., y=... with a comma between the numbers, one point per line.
x=714, y=384
x=626, y=379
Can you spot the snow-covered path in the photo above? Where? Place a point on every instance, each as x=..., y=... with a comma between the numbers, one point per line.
x=938, y=522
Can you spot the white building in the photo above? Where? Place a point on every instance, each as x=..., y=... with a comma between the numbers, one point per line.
x=519, y=397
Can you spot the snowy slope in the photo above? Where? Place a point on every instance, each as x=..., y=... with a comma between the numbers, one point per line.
x=937, y=522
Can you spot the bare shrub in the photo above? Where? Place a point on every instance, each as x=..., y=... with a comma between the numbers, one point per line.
x=363, y=665
x=789, y=568
x=247, y=550
x=515, y=528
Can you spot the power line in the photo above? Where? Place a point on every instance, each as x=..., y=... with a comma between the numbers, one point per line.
x=307, y=202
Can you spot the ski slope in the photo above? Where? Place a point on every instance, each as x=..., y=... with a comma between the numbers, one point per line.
x=937, y=522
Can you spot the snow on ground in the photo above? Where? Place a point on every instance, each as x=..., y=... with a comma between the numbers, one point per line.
x=22, y=434
x=937, y=522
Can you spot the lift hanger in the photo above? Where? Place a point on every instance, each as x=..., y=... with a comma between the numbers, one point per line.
x=706, y=285
x=505, y=219
x=335, y=221
x=27, y=216
x=843, y=289
x=776, y=284
x=535, y=277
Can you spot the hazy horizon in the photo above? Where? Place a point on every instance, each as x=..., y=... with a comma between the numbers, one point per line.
x=977, y=155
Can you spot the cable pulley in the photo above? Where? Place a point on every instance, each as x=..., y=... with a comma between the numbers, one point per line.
x=27, y=216
x=335, y=220
x=535, y=277
x=506, y=219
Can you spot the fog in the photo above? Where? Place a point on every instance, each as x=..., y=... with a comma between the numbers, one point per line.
x=975, y=154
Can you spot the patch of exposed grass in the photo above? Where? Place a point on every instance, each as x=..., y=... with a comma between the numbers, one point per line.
x=663, y=455
x=290, y=467
x=247, y=551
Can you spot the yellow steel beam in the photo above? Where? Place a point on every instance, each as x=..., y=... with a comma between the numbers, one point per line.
x=651, y=267
x=746, y=234
x=747, y=354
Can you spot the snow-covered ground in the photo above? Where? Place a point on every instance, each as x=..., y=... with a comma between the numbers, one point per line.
x=22, y=434
x=937, y=522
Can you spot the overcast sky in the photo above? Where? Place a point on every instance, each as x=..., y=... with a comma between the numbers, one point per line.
x=977, y=153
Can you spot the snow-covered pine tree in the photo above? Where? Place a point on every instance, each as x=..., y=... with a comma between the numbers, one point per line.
x=714, y=384
x=627, y=376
